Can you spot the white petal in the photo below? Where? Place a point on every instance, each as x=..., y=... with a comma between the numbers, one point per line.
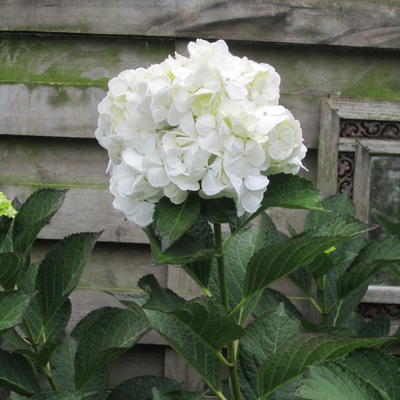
x=182, y=100
x=250, y=201
x=142, y=213
x=256, y=182
x=174, y=116
x=205, y=124
x=211, y=185
x=157, y=177
x=133, y=159
x=235, y=90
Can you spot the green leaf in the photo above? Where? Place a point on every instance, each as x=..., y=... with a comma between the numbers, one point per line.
x=365, y=375
x=377, y=327
x=186, y=250
x=12, y=308
x=6, y=226
x=291, y=358
x=271, y=299
x=336, y=383
x=320, y=266
x=51, y=330
x=11, y=268
x=200, y=270
x=259, y=342
x=273, y=262
x=34, y=214
x=60, y=270
x=17, y=374
x=161, y=299
x=103, y=335
x=237, y=256
x=141, y=388
x=372, y=258
x=220, y=211
x=157, y=395
x=197, y=330
x=58, y=396
x=338, y=204
x=389, y=225
x=172, y=221
x=291, y=191
x=62, y=363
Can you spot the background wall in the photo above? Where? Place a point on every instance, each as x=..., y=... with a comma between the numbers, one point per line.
x=57, y=56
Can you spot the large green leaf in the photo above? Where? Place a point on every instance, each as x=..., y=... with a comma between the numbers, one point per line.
x=11, y=268
x=172, y=220
x=338, y=204
x=102, y=336
x=62, y=364
x=60, y=270
x=292, y=357
x=389, y=225
x=291, y=191
x=34, y=214
x=271, y=299
x=141, y=387
x=186, y=250
x=273, y=262
x=365, y=375
x=376, y=327
x=260, y=341
x=336, y=383
x=51, y=330
x=197, y=329
x=372, y=258
x=12, y=308
x=16, y=373
x=6, y=226
x=243, y=246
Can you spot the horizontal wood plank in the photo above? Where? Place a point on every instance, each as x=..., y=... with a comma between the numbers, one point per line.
x=344, y=22
x=31, y=111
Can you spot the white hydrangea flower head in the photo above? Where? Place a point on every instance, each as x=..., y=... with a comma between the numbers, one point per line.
x=209, y=123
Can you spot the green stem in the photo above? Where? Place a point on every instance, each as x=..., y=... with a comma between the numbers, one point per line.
x=233, y=346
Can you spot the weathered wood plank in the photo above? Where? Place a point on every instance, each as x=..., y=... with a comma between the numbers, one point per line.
x=52, y=161
x=112, y=266
x=382, y=294
x=84, y=209
x=32, y=112
x=288, y=21
x=75, y=60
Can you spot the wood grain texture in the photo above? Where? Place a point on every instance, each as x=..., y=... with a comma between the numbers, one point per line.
x=382, y=294
x=343, y=22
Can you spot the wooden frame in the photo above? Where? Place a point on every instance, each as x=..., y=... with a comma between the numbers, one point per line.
x=331, y=145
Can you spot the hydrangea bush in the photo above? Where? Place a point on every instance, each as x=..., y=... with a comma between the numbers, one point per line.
x=200, y=141
x=208, y=123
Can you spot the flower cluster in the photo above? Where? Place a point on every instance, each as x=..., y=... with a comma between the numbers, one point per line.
x=209, y=122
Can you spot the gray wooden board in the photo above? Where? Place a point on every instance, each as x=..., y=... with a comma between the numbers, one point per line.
x=343, y=22
x=30, y=111
x=62, y=161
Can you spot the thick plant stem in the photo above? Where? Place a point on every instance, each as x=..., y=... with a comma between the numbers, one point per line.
x=232, y=347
